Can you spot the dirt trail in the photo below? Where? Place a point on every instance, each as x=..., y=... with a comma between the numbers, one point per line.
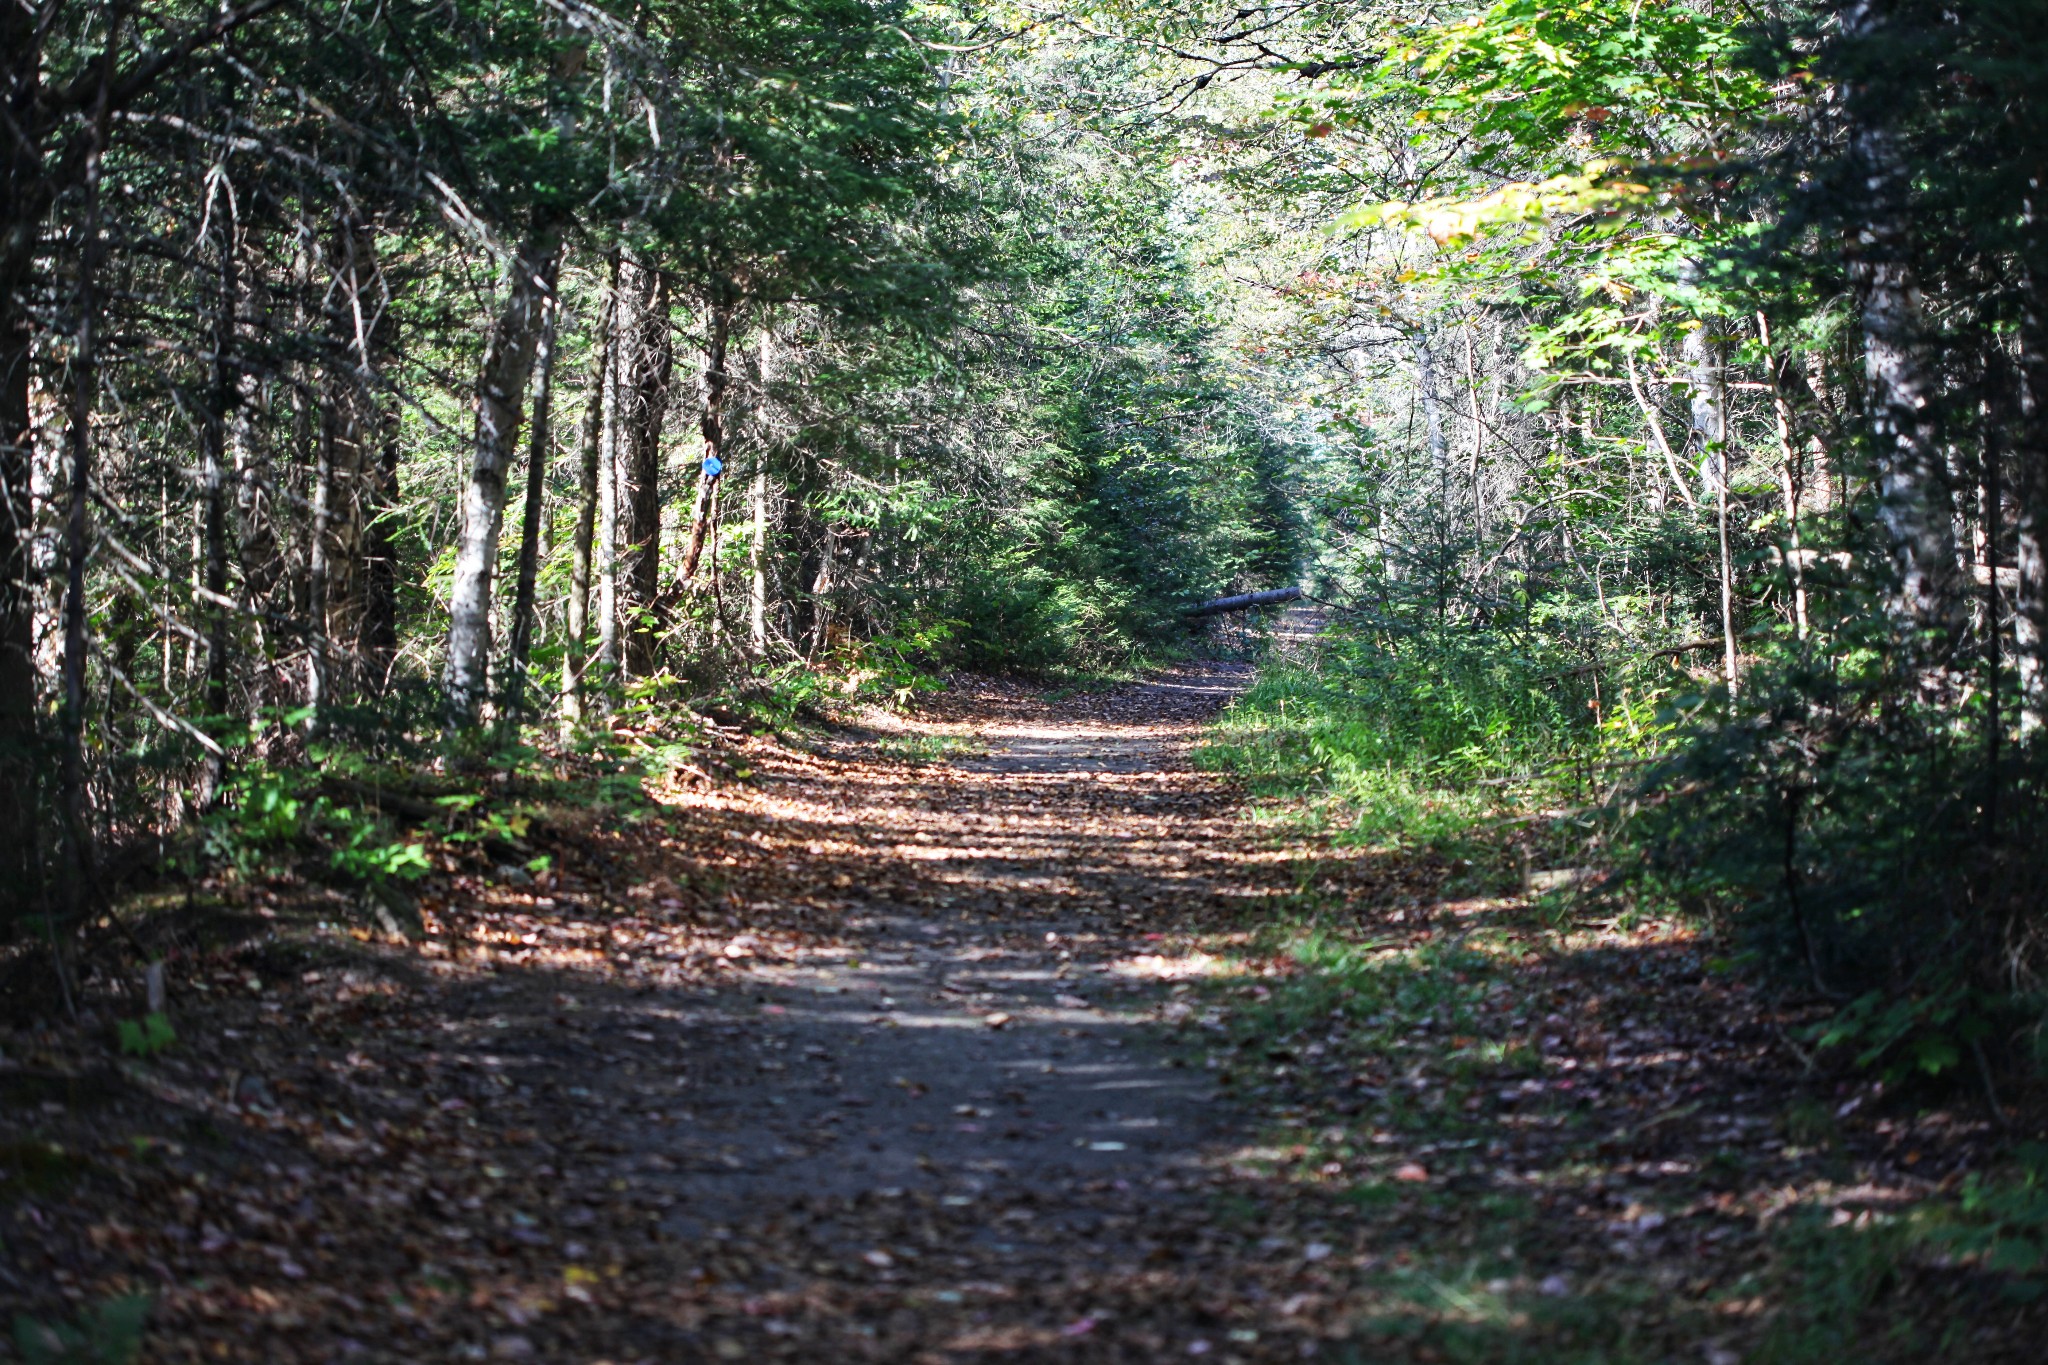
x=856, y=1056
x=850, y=1055
x=908, y=1094
x=988, y=1046
x=962, y=1109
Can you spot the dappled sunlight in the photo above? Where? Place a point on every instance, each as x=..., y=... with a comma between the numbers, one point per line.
x=1008, y=1054
x=1190, y=966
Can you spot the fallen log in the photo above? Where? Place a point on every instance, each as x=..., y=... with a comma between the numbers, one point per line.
x=1217, y=605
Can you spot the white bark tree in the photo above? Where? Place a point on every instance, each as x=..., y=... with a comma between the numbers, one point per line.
x=500, y=399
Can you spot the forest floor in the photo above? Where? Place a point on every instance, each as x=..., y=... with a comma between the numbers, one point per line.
x=999, y=1033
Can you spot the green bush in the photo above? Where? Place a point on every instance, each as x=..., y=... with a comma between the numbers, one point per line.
x=1403, y=731
x=1852, y=835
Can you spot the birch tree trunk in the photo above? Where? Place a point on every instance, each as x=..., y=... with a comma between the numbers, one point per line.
x=757, y=560
x=758, y=497
x=608, y=488
x=2030, y=490
x=1914, y=501
x=319, y=530
x=223, y=394
x=501, y=387
x=1709, y=410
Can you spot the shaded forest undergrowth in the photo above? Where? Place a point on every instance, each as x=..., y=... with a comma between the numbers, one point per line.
x=1421, y=1115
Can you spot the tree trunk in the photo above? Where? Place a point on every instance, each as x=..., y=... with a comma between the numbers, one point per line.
x=2030, y=602
x=77, y=542
x=1243, y=601
x=1914, y=503
x=24, y=199
x=1793, y=481
x=18, y=756
x=1437, y=441
x=608, y=486
x=256, y=542
x=357, y=477
x=224, y=392
x=1479, y=424
x=757, y=544
x=757, y=561
x=2030, y=468
x=713, y=426
x=647, y=364
x=1709, y=435
x=318, y=531
x=1707, y=404
x=501, y=387
x=529, y=527
x=589, y=448
x=379, y=638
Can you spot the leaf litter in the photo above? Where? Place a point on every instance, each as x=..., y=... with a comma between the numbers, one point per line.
x=991, y=1058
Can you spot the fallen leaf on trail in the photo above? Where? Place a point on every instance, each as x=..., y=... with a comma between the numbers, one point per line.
x=996, y=1020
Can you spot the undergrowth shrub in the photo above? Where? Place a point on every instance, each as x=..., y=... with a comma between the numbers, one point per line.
x=1414, y=737
x=1863, y=845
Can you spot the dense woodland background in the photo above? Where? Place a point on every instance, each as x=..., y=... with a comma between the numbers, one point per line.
x=1654, y=390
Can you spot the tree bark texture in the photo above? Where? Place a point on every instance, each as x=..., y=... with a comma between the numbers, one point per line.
x=1915, y=505
x=2030, y=464
x=608, y=484
x=361, y=321
x=501, y=388
x=713, y=426
x=318, y=533
x=1243, y=601
x=529, y=526
x=757, y=503
x=18, y=737
x=223, y=394
x=647, y=364
x=78, y=857
x=24, y=200
x=589, y=450
x=1708, y=404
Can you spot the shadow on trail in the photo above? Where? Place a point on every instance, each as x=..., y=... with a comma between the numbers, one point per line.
x=991, y=1061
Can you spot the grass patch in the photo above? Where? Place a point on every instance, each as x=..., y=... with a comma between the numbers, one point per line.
x=1506, y=1098
x=928, y=748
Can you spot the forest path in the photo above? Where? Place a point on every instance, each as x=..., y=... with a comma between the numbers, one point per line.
x=857, y=1056
x=971, y=1035
x=962, y=1102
